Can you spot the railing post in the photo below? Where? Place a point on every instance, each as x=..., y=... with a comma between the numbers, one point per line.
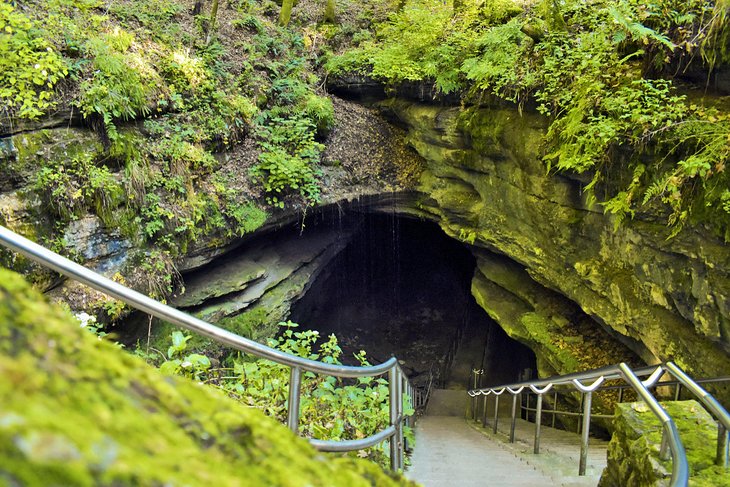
x=586, y=432
x=474, y=400
x=538, y=420
x=399, y=426
x=484, y=413
x=514, y=418
x=580, y=423
x=664, y=447
x=295, y=382
x=555, y=408
x=496, y=413
x=722, y=446
x=393, y=403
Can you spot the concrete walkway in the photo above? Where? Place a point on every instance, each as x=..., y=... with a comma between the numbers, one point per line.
x=449, y=452
x=453, y=451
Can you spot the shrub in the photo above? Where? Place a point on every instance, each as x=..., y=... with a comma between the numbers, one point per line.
x=29, y=66
x=70, y=188
x=287, y=163
x=121, y=84
x=331, y=408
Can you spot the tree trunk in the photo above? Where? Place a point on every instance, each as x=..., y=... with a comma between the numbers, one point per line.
x=329, y=11
x=213, y=17
x=285, y=14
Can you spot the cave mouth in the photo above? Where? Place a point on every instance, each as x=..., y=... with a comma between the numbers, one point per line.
x=402, y=287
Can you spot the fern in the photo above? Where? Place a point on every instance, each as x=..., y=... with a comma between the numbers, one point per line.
x=636, y=30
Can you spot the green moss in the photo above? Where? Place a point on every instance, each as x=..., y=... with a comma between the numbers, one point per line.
x=542, y=331
x=78, y=411
x=633, y=457
x=254, y=324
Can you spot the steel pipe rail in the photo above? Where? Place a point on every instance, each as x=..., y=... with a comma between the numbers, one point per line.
x=680, y=465
x=653, y=375
x=610, y=372
x=671, y=439
x=350, y=445
x=164, y=312
x=139, y=301
x=678, y=379
x=705, y=397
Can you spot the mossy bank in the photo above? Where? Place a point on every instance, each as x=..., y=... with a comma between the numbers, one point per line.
x=78, y=411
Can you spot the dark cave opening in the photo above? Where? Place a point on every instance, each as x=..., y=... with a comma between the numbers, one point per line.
x=403, y=287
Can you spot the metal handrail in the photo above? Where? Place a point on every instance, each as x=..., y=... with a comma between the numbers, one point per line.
x=680, y=465
x=396, y=378
x=621, y=371
x=621, y=387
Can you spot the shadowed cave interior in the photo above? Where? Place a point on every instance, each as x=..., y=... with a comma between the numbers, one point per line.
x=401, y=287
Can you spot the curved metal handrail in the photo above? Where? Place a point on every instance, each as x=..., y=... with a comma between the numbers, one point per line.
x=705, y=397
x=139, y=301
x=680, y=465
x=350, y=445
x=148, y=305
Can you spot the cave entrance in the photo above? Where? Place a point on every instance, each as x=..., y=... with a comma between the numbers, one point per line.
x=402, y=287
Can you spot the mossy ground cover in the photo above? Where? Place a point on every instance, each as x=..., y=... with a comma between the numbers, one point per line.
x=76, y=410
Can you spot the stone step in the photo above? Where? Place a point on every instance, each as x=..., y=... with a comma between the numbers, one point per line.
x=449, y=452
x=447, y=402
x=559, y=450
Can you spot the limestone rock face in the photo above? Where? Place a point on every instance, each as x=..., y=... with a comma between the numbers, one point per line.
x=253, y=288
x=78, y=411
x=556, y=329
x=486, y=185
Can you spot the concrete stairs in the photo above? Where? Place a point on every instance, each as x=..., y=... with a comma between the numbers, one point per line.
x=453, y=451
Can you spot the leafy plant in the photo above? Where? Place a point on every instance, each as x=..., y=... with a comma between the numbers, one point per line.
x=71, y=187
x=192, y=365
x=121, y=83
x=288, y=161
x=330, y=408
x=29, y=65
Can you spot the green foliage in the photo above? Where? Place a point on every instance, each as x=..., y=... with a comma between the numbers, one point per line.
x=244, y=215
x=331, y=408
x=29, y=66
x=158, y=273
x=121, y=83
x=70, y=188
x=592, y=69
x=320, y=111
x=249, y=22
x=497, y=65
x=155, y=16
x=192, y=365
x=287, y=163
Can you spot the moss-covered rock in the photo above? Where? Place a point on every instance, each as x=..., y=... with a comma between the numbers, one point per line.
x=486, y=184
x=563, y=337
x=633, y=453
x=75, y=410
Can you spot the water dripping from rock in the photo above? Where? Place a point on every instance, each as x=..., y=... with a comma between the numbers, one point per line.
x=402, y=287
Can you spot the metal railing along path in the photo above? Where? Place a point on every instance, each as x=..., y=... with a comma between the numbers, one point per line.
x=398, y=384
x=579, y=381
